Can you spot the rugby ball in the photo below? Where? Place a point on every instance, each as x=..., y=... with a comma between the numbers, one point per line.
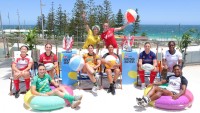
x=49, y=66
x=112, y=60
x=147, y=67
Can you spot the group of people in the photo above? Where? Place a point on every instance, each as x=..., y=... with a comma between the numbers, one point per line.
x=40, y=85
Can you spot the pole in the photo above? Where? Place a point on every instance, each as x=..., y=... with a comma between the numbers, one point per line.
x=19, y=29
x=4, y=46
x=42, y=18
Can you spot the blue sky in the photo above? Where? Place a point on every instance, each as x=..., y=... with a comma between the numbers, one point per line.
x=166, y=12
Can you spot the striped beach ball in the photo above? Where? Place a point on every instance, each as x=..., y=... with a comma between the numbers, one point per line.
x=130, y=15
x=76, y=63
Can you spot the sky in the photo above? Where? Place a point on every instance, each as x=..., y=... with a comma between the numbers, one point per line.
x=160, y=12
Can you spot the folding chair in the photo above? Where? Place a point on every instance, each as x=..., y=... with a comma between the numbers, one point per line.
x=84, y=77
x=104, y=75
x=147, y=73
x=17, y=54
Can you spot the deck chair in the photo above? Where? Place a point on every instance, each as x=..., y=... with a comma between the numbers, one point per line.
x=84, y=81
x=147, y=73
x=105, y=85
x=17, y=54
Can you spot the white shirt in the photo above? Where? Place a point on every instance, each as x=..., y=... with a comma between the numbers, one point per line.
x=171, y=60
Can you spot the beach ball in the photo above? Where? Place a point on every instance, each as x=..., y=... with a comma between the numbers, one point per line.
x=130, y=15
x=112, y=60
x=76, y=63
x=49, y=66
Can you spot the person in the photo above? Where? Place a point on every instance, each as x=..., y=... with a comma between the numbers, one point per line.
x=170, y=58
x=21, y=66
x=108, y=34
x=49, y=57
x=115, y=68
x=177, y=85
x=92, y=63
x=40, y=86
x=147, y=57
x=92, y=36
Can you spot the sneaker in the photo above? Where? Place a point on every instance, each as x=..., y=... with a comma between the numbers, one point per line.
x=146, y=100
x=113, y=90
x=143, y=86
x=140, y=102
x=17, y=93
x=78, y=97
x=109, y=90
x=94, y=89
x=75, y=103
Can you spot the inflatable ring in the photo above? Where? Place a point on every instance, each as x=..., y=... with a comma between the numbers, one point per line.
x=166, y=102
x=43, y=103
x=46, y=103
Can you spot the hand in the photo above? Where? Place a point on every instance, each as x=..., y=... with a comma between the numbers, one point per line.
x=175, y=96
x=116, y=66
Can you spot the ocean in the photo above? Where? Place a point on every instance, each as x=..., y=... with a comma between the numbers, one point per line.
x=152, y=31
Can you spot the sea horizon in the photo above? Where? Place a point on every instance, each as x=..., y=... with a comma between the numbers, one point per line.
x=152, y=31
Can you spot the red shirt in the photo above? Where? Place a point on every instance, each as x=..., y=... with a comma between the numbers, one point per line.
x=109, y=37
x=48, y=59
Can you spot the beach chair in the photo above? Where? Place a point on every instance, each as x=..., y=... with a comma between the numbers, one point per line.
x=159, y=68
x=105, y=85
x=84, y=81
x=32, y=73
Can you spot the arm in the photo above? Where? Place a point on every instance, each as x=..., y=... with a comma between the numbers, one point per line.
x=34, y=91
x=180, y=61
x=15, y=68
x=154, y=63
x=160, y=82
x=140, y=63
x=85, y=22
x=98, y=64
x=182, y=91
x=54, y=83
x=121, y=28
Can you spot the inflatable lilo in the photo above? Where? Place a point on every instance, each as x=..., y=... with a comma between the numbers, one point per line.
x=166, y=102
x=46, y=102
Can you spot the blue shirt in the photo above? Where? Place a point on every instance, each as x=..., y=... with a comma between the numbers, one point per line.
x=147, y=58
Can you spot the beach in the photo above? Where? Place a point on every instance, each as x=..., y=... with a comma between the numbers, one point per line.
x=123, y=101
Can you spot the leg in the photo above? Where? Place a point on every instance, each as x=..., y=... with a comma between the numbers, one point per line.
x=142, y=78
x=26, y=75
x=153, y=75
x=51, y=73
x=117, y=73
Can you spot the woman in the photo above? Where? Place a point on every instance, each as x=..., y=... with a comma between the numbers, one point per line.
x=108, y=34
x=171, y=57
x=21, y=66
x=92, y=37
x=92, y=63
x=147, y=57
x=115, y=68
x=40, y=86
x=177, y=85
x=49, y=57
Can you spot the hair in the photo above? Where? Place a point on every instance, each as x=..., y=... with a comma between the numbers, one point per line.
x=147, y=43
x=48, y=44
x=41, y=65
x=110, y=45
x=24, y=46
x=95, y=26
x=171, y=42
x=176, y=65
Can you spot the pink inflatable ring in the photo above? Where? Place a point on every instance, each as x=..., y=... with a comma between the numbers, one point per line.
x=166, y=102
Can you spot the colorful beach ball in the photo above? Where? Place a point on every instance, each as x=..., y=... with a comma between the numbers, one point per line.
x=76, y=63
x=130, y=15
x=112, y=60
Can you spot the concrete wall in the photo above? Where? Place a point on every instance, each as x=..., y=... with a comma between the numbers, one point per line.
x=193, y=57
